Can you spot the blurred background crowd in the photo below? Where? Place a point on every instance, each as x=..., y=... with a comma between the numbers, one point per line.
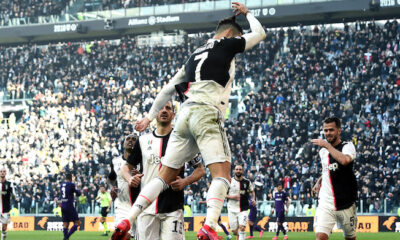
x=85, y=96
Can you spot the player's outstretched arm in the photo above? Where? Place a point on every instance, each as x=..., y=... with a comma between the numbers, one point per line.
x=257, y=33
x=162, y=98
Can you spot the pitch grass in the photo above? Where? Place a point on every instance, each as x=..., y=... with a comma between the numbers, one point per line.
x=42, y=235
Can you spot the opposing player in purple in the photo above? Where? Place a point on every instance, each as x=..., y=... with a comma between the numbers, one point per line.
x=68, y=210
x=252, y=220
x=280, y=199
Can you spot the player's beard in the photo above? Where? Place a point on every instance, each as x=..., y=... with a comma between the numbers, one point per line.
x=238, y=175
x=333, y=140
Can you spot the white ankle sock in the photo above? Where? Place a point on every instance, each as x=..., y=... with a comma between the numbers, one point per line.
x=3, y=235
x=215, y=200
x=148, y=194
x=242, y=235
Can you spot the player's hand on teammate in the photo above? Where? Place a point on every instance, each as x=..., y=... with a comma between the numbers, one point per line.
x=142, y=124
x=135, y=180
x=287, y=210
x=254, y=203
x=114, y=193
x=239, y=8
x=320, y=142
x=179, y=184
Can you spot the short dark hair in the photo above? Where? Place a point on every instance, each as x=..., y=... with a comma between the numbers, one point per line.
x=279, y=184
x=68, y=176
x=336, y=120
x=229, y=22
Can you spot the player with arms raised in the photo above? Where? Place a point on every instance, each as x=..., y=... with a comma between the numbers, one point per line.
x=204, y=83
x=337, y=187
x=68, y=210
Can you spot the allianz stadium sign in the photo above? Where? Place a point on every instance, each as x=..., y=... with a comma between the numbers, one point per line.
x=152, y=20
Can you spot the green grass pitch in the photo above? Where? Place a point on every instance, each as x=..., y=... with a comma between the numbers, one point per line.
x=42, y=235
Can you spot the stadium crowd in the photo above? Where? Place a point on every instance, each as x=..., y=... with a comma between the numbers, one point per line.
x=28, y=10
x=87, y=95
x=92, y=5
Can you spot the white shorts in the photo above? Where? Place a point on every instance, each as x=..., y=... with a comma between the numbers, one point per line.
x=5, y=218
x=237, y=219
x=198, y=128
x=164, y=226
x=346, y=220
x=122, y=212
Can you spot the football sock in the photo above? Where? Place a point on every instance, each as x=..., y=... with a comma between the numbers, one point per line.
x=242, y=235
x=251, y=230
x=72, y=230
x=283, y=230
x=277, y=231
x=105, y=226
x=224, y=228
x=3, y=235
x=65, y=232
x=215, y=200
x=257, y=228
x=148, y=194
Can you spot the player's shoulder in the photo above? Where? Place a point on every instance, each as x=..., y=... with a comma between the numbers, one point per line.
x=347, y=143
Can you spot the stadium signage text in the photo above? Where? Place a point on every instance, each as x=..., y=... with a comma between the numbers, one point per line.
x=263, y=12
x=389, y=3
x=22, y=224
x=153, y=20
x=70, y=27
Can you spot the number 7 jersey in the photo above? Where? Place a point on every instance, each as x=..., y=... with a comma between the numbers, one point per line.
x=209, y=72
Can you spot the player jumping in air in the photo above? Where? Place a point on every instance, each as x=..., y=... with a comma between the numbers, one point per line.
x=204, y=84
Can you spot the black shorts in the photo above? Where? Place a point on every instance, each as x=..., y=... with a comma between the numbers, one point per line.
x=104, y=211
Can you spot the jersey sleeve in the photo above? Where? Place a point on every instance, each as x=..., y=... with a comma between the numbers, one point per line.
x=235, y=45
x=135, y=157
x=350, y=150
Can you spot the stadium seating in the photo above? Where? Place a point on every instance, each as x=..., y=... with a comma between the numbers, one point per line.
x=86, y=95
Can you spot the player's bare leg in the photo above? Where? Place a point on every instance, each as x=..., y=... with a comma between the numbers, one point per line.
x=322, y=236
x=216, y=195
x=4, y=232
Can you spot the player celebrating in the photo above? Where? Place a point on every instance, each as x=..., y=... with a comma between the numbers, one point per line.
x=163, y=219
x=126, y=195
x=280, y=200
x=205, y=83
x=252, y=221
x=68, y=210
x=105, y=204
x=238, y=202
x=6, y=192
x=338, y=193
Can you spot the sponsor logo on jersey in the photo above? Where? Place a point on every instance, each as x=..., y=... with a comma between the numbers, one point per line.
x=331, y=167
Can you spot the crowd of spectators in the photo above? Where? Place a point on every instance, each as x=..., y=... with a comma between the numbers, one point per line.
x=87, y=95
x=93, y=5
x=30, y=9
